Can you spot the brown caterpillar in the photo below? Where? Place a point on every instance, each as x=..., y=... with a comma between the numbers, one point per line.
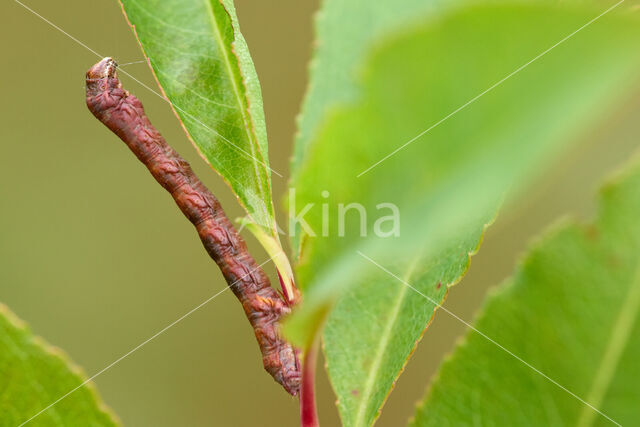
x=124, y=115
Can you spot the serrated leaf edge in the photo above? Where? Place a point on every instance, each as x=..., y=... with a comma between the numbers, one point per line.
x=62, y=356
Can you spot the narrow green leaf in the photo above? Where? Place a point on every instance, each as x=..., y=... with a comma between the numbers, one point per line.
x=202, y=64
x=275, y=252
x=572, y=312
x=447, y=183
x=33, y=375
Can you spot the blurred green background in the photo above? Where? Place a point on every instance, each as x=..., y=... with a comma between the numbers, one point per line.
x=96, y=258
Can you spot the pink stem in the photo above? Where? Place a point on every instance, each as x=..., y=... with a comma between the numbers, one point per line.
x=308, y=412
x=287, y=297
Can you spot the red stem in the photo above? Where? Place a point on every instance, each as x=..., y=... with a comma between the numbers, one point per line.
x=285, y=294
x=308, y=411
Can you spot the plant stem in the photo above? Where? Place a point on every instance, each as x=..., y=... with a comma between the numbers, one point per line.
x=308, y=411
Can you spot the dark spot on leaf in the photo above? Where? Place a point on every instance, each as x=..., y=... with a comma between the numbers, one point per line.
x=592, y=232
x=439, y=285
x=355, y=392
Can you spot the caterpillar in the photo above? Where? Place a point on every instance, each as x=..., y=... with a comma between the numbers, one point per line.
x=124, y=115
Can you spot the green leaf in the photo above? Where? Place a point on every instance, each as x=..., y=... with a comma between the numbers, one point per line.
x=34, y=375
x=375, y=326
x=202, y=64
x=276, y=254
x=570, y=311
x=447, y=183
x=344, y=32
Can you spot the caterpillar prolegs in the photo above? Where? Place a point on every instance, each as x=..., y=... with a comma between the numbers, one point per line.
x=124, y=115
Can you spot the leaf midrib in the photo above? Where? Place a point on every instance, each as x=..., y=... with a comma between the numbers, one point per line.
x=621, y=332
x=382, y=345
x=236, y=91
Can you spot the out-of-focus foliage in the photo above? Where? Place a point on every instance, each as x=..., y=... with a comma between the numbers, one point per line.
x=571, y=311
x=448, y=182
x=35, y=375
x=345, y=32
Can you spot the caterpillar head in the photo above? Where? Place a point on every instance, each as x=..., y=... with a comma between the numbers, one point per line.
x=103, y=69
x=102, y=78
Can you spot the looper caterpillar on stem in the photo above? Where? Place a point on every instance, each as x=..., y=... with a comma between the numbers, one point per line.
x=124, y=115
